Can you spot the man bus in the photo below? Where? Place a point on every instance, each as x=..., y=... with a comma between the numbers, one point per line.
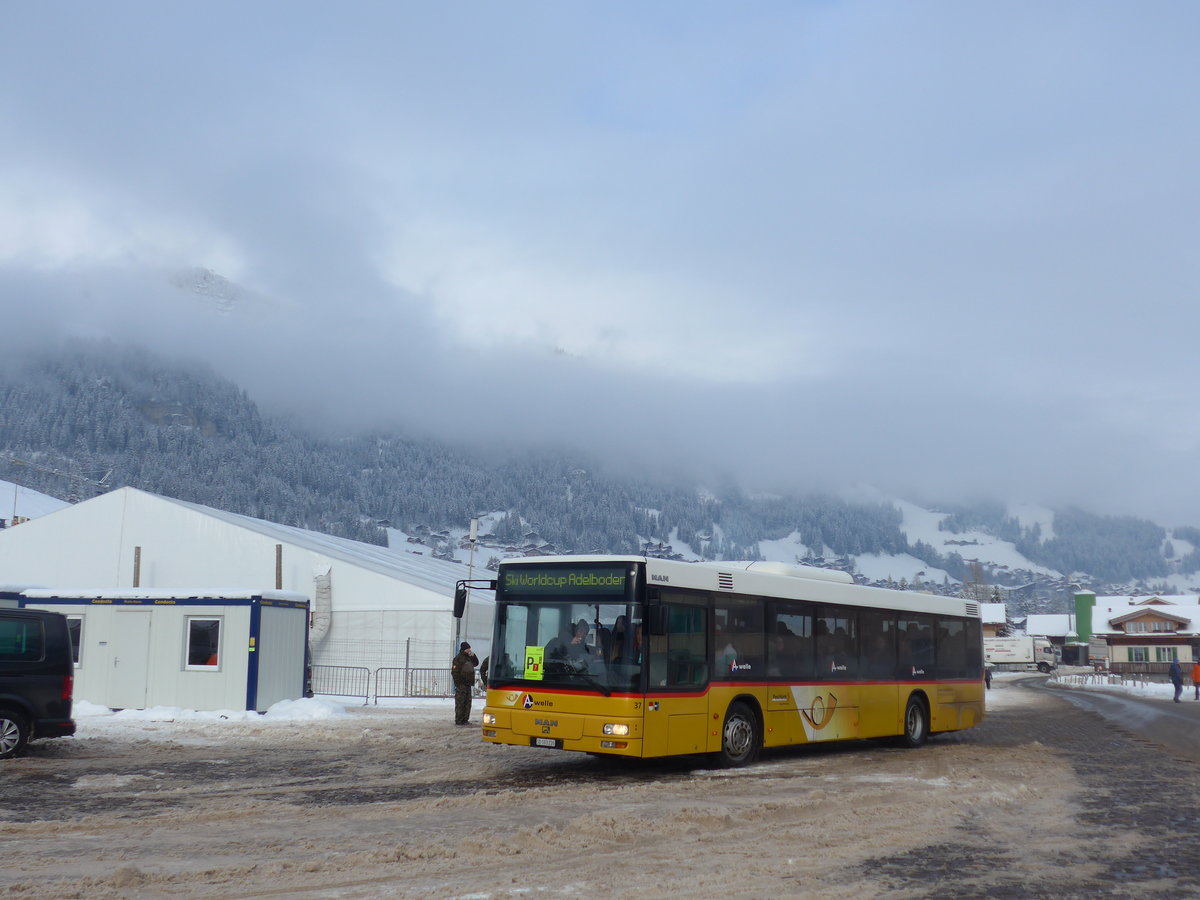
x=643, y=657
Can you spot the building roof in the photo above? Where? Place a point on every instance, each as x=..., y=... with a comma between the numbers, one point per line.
x=1050, y=624
x=200, y=593
x=1152, y=600
x=34, y=549
x=993, y=613
x=434, y=574
x=1160, y=612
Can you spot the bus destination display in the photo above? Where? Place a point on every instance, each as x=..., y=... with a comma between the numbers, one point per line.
x=560, y=581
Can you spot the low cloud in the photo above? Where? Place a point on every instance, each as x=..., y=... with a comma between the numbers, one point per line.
x=808, y=247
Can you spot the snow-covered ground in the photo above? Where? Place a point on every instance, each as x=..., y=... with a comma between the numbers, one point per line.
x=328, y=798
x=1084, y=680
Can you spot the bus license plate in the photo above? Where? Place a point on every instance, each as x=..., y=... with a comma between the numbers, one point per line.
x=547, y=742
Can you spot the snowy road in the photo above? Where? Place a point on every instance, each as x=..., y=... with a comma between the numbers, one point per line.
x=1174, y=725
x=1044, y=799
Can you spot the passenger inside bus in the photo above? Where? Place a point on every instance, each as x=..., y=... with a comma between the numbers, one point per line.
x=618, y=640
x=881, y=659
x=781, y=651
x=579, y=645
x=557, y=647
x=628, y=651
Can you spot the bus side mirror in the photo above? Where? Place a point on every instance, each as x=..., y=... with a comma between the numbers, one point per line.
x=460, y=592
x=657, y=619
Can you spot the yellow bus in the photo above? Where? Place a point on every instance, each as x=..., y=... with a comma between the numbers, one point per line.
x=643, y=657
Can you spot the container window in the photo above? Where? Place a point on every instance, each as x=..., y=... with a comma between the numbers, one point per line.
x=203, y=643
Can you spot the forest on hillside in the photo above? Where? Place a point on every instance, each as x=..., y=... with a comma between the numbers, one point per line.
x=184, y=432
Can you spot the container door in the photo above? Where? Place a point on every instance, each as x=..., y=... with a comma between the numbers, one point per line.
x=130, y=652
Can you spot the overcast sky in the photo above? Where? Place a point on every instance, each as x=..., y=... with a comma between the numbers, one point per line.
x=947, y=249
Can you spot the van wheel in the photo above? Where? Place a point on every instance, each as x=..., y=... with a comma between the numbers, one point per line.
x=916, y=723
x=739, y=736
x=13, y=733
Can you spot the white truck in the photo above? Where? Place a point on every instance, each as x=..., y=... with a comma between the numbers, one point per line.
x=1020, y=652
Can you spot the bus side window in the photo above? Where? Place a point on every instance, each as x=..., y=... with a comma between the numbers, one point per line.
x=790, y=641
x=974, y=649
x=878, y=660
x=739, y=639
x=680, y=657
x=952, y=648
x=915, y=650
x=837, y=644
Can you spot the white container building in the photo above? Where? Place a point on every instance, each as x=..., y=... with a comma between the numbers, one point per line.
x=203, y=650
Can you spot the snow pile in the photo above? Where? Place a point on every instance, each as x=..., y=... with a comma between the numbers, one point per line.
x=284, y=711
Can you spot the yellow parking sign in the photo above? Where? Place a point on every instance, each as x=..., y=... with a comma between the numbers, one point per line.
x=534, y=657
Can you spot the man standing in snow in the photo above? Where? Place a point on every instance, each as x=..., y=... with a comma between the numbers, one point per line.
x=462, y=671
x=1176, y=678
x=1196, y=677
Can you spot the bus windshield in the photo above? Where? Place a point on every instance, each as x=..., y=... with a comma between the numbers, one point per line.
x=568, y=629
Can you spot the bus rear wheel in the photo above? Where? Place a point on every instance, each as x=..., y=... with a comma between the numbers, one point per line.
x=916, y=723
x=740, y=740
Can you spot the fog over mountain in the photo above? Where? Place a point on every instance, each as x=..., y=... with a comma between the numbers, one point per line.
x=943, y=250
x=101, y=415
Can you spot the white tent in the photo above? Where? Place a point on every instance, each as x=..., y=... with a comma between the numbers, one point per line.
x=372, y=607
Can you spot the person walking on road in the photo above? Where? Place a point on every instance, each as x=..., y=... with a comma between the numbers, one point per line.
x=1196, y=677
x=1176, y=678
x=462, y=671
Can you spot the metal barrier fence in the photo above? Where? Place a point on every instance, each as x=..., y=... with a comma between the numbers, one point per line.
x=430, y=683
x=356, y=681
x=391, y=683
x=1095, y=678
x=1137, y=679
x=1145, y=668
x=342, y=681
x=413, y=683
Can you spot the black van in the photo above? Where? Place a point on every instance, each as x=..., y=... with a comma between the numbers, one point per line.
x=37, y=677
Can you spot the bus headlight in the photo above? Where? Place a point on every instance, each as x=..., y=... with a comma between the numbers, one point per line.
x=618, y=730
x=489, y=718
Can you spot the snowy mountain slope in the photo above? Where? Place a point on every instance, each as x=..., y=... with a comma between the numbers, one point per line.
x=919, y=525
x=922, y=525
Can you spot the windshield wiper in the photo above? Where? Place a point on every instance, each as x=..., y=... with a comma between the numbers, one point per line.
x=595, y=682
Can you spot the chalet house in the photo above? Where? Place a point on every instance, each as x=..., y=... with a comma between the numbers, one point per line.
x=1147, y=634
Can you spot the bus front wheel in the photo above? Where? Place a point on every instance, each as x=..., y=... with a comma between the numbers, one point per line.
x=739, y=736
x=916, y=723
